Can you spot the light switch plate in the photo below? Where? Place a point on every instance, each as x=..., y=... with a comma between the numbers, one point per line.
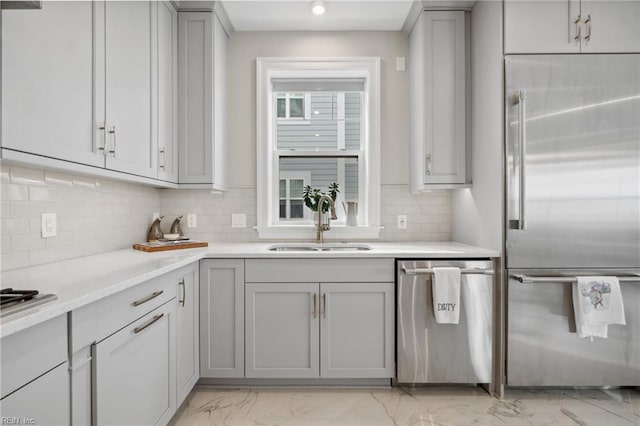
x=238, y=220
x=401, y=63
x=192, y=220
x=49, y=225
x=402, y=221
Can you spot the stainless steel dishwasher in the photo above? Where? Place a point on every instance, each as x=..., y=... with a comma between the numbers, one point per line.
x=428, y=352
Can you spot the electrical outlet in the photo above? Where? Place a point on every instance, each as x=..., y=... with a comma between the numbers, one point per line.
x=402, y=221
x=155, y=216
x=238, y=220
x=192, y=220
x=49, y=225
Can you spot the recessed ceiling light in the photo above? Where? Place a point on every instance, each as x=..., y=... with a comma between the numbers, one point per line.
x=316, y=112
x=318, y=7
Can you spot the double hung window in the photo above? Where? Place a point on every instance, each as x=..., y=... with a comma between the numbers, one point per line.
x=317, y=127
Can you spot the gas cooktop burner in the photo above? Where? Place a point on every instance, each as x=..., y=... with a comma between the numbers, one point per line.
x=12, y=301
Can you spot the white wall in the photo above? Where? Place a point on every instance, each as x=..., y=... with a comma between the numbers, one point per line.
x=476, y=213
x=428, y=214
x=244, y=47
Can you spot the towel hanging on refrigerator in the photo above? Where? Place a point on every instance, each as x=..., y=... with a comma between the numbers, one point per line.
x=597, y=302
x=446, y=295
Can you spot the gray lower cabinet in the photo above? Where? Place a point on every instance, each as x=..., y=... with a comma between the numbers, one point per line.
x=341, y=326
x=134, y=378
x=356, y=330
x=282, y=332
x=44, y=401
x=188, y=330
x=312, y=330
x=222, y=318
x=34, y=383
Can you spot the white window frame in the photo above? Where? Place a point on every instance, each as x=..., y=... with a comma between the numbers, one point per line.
x=367, y=68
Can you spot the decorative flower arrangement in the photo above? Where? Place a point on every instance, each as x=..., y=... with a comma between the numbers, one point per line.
x=311, y=196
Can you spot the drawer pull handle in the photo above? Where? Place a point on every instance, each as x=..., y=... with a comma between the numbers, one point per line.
x=184, y=292
x=315, y=305
x=324, y=305
x=149, y=297
x=149, y=324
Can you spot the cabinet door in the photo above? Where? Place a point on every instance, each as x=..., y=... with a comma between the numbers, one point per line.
x=47, y=82
x=444, y=97
x=131, y=86
x=222, y=318
x=135, y=372
x=542, y=26
x=282, y=330
x=188, y=332
x=356, y=330
x=196, y=96
x=167, y=92
x=45, y=401
x=610, y=26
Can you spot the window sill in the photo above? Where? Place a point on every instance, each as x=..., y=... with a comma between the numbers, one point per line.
x=306, y=232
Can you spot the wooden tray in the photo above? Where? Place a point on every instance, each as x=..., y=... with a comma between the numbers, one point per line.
x=169, y=245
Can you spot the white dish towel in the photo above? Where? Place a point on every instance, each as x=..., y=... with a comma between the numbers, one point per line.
x=446, y=295
x=597, y=302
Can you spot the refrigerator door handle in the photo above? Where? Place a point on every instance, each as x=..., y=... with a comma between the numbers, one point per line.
x=519, y=99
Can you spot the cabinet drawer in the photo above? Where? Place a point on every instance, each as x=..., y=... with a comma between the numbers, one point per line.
x=32, y=352
x=99, y=320
x=319, y=270
x=127, y=306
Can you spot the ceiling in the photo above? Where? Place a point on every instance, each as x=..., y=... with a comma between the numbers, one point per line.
x=295, y=15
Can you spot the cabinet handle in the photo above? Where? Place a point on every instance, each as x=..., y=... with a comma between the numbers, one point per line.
x=102, y=148
x=163, y=158
x=149, y=297
x=428, y=164
x=324, y=305
x=149, y=324
x=588, y=23
x=184, y=292
x=578, y=23
x=113, y=150
x=315, y=304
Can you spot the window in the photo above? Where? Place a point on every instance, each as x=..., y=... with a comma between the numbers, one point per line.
x=292, y=106
x=318, y=125
x=291, y=186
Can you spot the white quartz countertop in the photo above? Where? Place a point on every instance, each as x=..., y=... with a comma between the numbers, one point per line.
x=81, y=281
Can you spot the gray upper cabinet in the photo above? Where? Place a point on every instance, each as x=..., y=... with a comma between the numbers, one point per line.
x=42, y=71
x=202, y=71
x=92, y=84
x=167, y=92
x=437, y=66
x=571, y=26
x=222, y=318
x=188, y=331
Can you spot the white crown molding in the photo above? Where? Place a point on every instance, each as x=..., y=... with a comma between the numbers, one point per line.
x=421, y=5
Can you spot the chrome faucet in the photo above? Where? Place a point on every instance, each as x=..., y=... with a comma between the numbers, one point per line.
x=321, y=227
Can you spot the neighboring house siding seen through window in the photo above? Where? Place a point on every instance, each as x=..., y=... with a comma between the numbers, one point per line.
x=318, y=127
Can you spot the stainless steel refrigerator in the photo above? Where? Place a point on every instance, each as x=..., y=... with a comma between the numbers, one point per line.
x=572, y=208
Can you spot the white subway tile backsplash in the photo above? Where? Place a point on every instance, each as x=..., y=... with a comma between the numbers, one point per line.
x=94, y=215
x=52, y=178
x=98, y=215
x=11, y=192
x=26, y=176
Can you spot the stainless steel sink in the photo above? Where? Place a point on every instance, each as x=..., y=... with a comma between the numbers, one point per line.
x=320, y=247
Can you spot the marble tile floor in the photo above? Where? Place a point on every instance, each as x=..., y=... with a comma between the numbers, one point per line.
x=447, y=406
